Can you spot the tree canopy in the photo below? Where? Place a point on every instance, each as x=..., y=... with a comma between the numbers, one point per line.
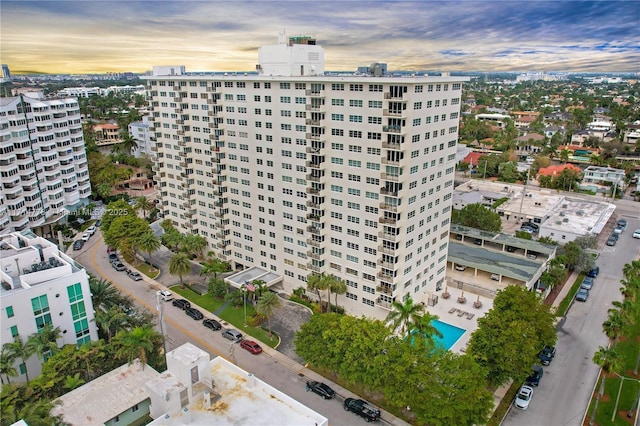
x=477, y=216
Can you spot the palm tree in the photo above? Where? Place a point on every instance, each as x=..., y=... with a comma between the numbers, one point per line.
x=137, y=343
x=179, y=265
x=112, y=320
x=19, y=350
x=44, y=342
x=404, y=314
x=564, y=155
x=317, y=282
x=6, y=366
x=214, y=266
x=613, y=325
x=33, y=413
x=128, y=144
x=148, y=243
x=103, y=294
x=194, y=244
x=267, y=304
x=338, y=286
x=424, y=326
x=143, y=203
x=610, y=360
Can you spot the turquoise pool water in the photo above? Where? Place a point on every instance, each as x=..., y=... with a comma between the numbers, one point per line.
x=450, y=334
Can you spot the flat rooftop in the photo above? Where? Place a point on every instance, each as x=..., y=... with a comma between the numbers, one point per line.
x=579, y=216
x=506, y=264
x=500, y=238
x=243, y=399
x=109, y=395
x=254, y=273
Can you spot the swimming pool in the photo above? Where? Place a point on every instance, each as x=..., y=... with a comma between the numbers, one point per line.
x=450, y=334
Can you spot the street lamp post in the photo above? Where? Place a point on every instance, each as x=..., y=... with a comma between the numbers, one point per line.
x=615, y=408
x=160, y=309
x=244, y=297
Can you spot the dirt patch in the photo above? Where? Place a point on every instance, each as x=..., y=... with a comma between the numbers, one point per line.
x=623, y=416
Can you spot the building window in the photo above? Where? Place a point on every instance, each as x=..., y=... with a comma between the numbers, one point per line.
x=9, y=311
x=14, y=330
x=41, y=313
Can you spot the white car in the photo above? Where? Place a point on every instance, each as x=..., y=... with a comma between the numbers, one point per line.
x=166, y=295
x=523, y=398
x=92, y=229
x=86, y=236
x=636, y=233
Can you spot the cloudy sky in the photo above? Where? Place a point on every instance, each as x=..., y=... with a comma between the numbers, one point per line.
x=99, y=36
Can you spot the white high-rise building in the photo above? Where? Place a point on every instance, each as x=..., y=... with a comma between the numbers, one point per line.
x=42, y=285
x=43, y=162
x=295, y=172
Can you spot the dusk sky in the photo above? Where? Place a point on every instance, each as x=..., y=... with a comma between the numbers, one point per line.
x=95, y=36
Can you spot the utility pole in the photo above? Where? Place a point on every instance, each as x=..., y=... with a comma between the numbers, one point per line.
x=160, y=309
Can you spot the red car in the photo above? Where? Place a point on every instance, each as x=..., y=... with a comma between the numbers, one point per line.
x=251, y=346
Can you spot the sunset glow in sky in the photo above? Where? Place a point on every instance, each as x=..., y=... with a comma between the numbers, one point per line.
x=100, y=36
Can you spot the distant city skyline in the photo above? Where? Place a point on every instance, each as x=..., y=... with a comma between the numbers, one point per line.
x=118, y=36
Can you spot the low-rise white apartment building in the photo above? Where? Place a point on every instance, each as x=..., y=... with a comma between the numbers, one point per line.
x=43, y=162
x=140, y=133
x=42, y=285
x=297, y=173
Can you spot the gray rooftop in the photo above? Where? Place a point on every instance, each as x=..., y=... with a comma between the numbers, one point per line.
x=506, y=239
x=251, y=274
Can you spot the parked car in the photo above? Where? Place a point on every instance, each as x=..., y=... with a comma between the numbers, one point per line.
x=535, y=376
x=212, y=324
x=623, y=224
x=321, y=389
x=614, y=235
x=618, y=229
x=546, y=354
x=531, y=225
x=78, y=244
x=612, y=241
x=86, y=236
x=523, y=398
x=181, y=303
x=362, y=408
x=251, y=346
x=636, y=233
x=582, y=295
x=477, y=242
x=232, y=334
x=594, y=272
x=165, y=295
x=92, y=229
x=113, y=256
x=460, y=267
x=495, y=277
x=118, y=266
x=511, y=249
x=527, y=230
x=587, y=283
x=134, y=275
x=98, y=222
x=194, y=313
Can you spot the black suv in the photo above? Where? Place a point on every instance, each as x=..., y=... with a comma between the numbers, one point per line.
x=546, y=354
x=181, y=303
x=362, y=409
x=535, y=376
x=194, y=313
x=212, y=324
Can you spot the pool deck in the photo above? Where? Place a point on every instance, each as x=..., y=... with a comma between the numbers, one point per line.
x=463, y=315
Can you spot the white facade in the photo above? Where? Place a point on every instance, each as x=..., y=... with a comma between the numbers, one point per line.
x=80, y=92
x=42, y=161
x=293, y=56
x=346, y=175
x=140, y=132
x=42, y=285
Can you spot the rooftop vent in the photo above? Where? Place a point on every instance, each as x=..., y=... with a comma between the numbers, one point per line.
x=564, y=206
x=566, y=219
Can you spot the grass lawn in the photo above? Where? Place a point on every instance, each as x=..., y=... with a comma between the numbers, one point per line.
x=566, y=302
x=232, y=315
x=628, y=348
x=143, y=267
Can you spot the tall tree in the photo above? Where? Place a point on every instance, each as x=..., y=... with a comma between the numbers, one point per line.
x=148, y=243
x=143, y=203
x=477, y=216
x=103, y=293
x=19, y=350
x=44, y=342
x=613, y=325
x=214, y=266
x=317, y=282
x=424, y=326
x=6, y=366
x=403, y=315
x=267, y=305
x=179, y=265
x=338, y=287
x=609, y=360
x=194, y=244
x=138, y=343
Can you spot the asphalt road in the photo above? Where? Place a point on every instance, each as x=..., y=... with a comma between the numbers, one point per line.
x=278, y=372
x=567, y=384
